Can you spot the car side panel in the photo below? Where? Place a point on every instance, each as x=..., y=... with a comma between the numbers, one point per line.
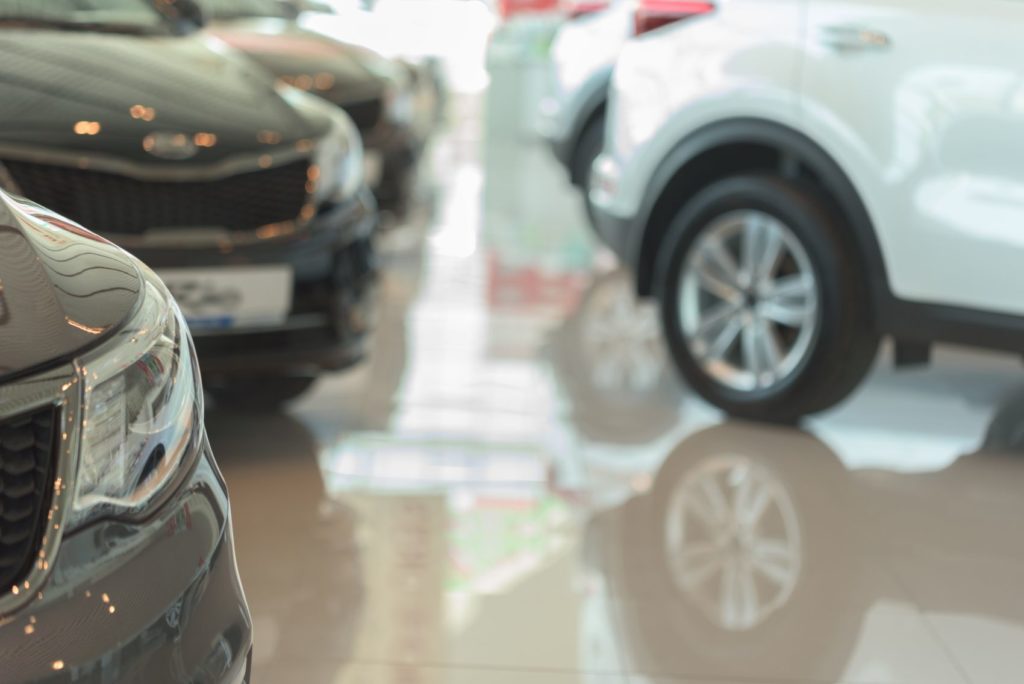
x=743, y=60
x=921, y=102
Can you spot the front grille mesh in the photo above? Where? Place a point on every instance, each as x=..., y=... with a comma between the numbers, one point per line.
x=111, y=203
x=27, y=449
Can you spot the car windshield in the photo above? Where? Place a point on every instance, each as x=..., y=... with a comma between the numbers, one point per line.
x=238, y=9
x=129, y=15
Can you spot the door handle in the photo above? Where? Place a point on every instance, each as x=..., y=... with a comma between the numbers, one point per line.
x=848, y=39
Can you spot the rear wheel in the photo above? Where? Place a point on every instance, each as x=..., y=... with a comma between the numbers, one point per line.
x=258, y=393
x=763, y=301
x=587, y=150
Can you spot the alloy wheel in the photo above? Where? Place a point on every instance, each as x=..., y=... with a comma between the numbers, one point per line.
x=748, y=301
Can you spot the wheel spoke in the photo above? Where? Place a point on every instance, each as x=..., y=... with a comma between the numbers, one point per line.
x=738, y=599
x=724, y=340
x=713, y=502
x=772, y=558
x=796, y=286
x=771, y=252
x=715, y=318
x=752, y=499
x=770, y=350
x=696, y=571
x=752, y=249
x=717, y=285
x=789, y=314
x=789, y=301
x=753, y=352
x=718, y=271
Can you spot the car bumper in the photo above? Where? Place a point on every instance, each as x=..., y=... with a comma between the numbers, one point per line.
x=158, y=600
x=618, y=232
x=334, y=269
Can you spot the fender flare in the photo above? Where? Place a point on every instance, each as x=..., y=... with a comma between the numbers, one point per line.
x=791, y=145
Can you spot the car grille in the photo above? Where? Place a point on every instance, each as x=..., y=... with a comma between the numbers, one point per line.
x=27, y=448
x=365, y=114
x=111, y=203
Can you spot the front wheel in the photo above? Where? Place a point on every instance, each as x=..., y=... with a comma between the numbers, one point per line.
x=763, y=301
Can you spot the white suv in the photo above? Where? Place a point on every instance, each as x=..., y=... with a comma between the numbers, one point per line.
x=583, y=53
x=794, y=179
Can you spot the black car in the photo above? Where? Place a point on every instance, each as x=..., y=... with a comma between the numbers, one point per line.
x=378, y=93
x=245, y=195
x=116, y=554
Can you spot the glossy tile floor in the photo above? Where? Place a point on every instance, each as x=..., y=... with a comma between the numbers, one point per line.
x=515, y=490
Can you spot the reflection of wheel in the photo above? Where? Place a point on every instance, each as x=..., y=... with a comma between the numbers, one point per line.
x=331, y=597
x=587, y=150
x=620, y=340
x=610, y=357
x=732, y=542
x=737, y=549
x=268, y=392
x=764, y=310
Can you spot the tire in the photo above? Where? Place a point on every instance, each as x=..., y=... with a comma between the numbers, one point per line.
x=266, y=393
x=821, y=358
x=588, y=148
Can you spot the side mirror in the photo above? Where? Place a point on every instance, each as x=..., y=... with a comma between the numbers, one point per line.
x=289, y=10
x=187, y=15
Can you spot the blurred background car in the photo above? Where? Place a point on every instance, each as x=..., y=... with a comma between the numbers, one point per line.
x=246, y=196
x=115, y=516
x=447, y=38
x=582, y=55
x=781, y=227
x=379, y=94
x=352, y=22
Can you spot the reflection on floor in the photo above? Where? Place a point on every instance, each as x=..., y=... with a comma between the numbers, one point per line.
x=515, y=489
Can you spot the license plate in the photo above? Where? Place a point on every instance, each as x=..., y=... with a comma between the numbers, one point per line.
x=373, y=167
x=232, y=297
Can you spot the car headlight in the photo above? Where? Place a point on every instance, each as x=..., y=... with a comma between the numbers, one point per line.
x=337, y=171
x=339, y=161
x=142, y=411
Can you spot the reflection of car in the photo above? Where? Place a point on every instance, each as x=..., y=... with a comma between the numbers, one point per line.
x=757, y=555
x=115, y=518
x=582, y=55
x=378, y=93
x=247, y=199
x=793, y=180
x=350, y=22
x=324, y=612
x=610, y=359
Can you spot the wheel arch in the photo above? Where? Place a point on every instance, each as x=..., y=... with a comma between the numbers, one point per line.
x=594, y=107
x=748, y=145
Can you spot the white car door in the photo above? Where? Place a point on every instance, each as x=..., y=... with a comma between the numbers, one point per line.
x=922, y=103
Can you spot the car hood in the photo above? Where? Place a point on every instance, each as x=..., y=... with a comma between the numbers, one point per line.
x=86, y=97
x=62, y=289
x=310, y=60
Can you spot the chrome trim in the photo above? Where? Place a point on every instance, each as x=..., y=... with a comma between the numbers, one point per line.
x=59, y=387
x=207, y=238
x=158, y=172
